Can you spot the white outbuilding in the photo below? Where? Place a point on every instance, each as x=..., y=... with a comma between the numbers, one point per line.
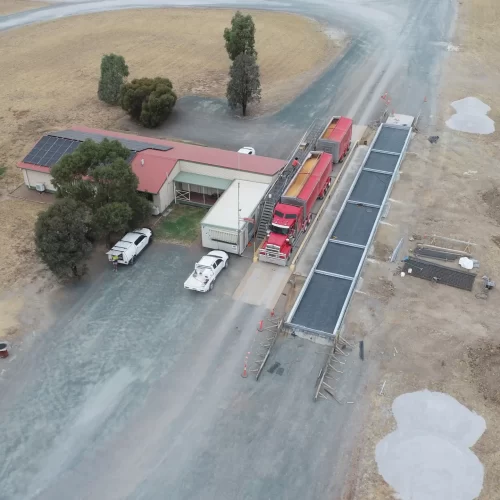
x=231, y=222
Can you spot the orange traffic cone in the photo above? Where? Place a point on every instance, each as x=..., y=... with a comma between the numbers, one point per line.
x=245, y=374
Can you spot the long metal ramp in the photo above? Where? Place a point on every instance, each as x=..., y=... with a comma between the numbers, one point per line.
x=325, y=296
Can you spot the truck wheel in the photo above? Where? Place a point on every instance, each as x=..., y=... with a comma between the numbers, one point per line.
x=211, y=287
x=226, y=265
x=132, y=261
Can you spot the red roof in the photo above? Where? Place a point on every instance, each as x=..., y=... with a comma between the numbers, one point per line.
x=159, y=164
x=337, y=134
x=155, y=171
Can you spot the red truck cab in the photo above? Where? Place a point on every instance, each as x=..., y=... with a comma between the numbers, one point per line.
x=285, y=227
x=293, y=214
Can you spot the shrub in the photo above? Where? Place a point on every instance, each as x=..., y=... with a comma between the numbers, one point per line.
x=148, y=100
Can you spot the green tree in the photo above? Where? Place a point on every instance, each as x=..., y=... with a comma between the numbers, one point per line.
x=244, y=82
x=141, y=210
x=148, y=100
x=71, y=174
x=98, y=174
x=113, y=73
x=113, y=217
x=240, y=38
x=61, y=238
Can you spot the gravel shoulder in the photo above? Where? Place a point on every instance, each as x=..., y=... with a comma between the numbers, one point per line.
x=421, y=335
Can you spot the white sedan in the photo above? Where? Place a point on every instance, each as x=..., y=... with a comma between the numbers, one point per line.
x=247, y=150
x=206, y=271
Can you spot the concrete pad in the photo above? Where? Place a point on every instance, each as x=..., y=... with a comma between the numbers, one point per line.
x=357, y=132
x=262, y=284
x=428, y=456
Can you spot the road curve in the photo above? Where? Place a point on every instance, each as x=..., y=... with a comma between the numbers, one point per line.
x=396, y=46
x=135, y=392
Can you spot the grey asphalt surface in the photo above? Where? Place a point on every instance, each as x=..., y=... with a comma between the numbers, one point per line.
x=135, y=392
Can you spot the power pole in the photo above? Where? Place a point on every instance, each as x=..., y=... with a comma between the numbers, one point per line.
x=238, y=219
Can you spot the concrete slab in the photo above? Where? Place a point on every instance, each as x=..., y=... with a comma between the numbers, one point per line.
x=23, y=192
x=262, y=284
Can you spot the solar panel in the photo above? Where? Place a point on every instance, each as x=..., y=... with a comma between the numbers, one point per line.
x=131, y=144
x=50, y=149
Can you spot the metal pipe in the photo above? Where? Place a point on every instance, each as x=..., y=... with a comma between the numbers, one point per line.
x=385, y=152
x=333, y=275
x=369, y=205
x=347, y=243
x=374, y=170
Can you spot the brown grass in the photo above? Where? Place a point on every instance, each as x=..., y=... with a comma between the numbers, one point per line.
x=50, y=73
x=16, y=240
x=52, y=83
x=12, y=6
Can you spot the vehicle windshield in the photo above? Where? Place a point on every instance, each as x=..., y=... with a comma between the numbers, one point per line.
x=290, y=216
x=279, y=214
x=279, y=230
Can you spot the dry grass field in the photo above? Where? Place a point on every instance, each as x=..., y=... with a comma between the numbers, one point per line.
x=51, y=70
x=12, y=6
x=446, y=339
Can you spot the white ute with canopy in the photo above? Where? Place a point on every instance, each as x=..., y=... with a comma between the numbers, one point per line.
x=130, y=246
x=206, y=271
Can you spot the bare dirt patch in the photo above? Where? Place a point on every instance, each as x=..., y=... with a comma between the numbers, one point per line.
x=492, y=200
x=484, y=361
x=11, y=6
x=381, y=251
x=383, y=289
x=427, y=336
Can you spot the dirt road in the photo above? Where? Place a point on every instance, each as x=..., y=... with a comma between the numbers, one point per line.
x=446, y=339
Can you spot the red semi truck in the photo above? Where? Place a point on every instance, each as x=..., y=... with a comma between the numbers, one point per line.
x=292, y=214
x=336, y=138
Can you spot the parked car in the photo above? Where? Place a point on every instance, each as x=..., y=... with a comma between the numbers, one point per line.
x=247, y=150
x=130, y=246
x=206, y=270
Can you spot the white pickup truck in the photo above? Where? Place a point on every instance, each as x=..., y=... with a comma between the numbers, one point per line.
x=130, y=246
x=206, y=271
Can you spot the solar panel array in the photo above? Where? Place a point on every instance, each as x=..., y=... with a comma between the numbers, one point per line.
x=49, y=150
